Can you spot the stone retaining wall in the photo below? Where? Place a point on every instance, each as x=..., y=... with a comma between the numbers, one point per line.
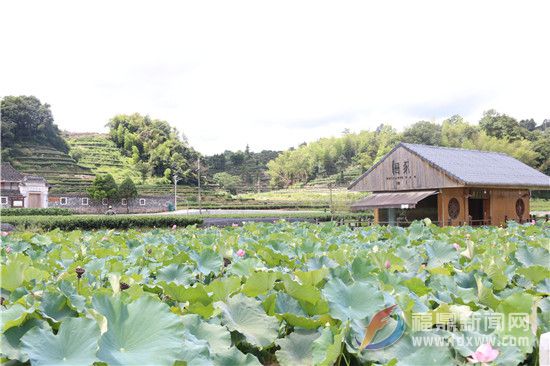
x=86, y=205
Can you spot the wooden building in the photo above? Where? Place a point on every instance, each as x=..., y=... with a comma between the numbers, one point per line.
x=450, y=186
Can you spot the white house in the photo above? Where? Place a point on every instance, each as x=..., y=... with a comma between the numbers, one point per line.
x=19, y=190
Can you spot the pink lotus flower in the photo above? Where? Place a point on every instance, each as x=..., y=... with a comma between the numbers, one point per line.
x=5, y=233
x=456, y=246
x=387, y=264
x=235, y=225
x=484, y=353
x=533, y=222
x=174, y=227
x=240, y=253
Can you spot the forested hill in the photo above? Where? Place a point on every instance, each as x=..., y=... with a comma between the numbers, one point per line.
x=151, y=151
x=338, y=160
x=240, y=170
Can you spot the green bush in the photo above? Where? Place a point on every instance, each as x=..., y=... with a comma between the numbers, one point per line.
x=98, y=222
x=35, y=212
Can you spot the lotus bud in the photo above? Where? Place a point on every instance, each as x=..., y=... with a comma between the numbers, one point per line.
x=8, y=249
x=174, y=227
x=387, y=264
x=240, y=253
x=456, y=246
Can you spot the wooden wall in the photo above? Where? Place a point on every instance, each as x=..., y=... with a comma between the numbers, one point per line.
x=501, y=205
x=443, y=199
x=419, y=175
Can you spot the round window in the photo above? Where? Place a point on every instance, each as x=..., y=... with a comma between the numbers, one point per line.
x=453, y=208
x=520, y=207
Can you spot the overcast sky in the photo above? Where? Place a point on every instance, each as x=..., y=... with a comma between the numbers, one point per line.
x=273, y=75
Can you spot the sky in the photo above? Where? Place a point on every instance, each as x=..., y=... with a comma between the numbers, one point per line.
x=275, y=74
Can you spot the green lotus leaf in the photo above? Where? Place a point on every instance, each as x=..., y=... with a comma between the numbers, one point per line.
x=327, y=347
x=440, y=253
x=259, y=283
x=194, y=352
x=356, y=301
x=10, y=345
x=296, y=348
x=516, y=309
x=13, y=316
x=208, y=261
x=180, y=293
x=312, y=277
x=216, y=336
x=428, y=356
x=284, y=303
x=221, y=288
x=13, y=272
x=143, y=332
x=417, y=286
x=535, y=274
x=244, y=267
x=530, y=256
x=56, y=307
x=235, y=357
x=298, y=291
x=75, y=300
x=544, y=287
x=75, y=343
x=246, y=316
x=177, y=273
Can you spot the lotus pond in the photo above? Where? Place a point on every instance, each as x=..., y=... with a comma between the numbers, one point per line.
x=276, y=294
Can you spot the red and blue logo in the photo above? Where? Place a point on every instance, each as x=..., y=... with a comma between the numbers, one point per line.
x=378, y=322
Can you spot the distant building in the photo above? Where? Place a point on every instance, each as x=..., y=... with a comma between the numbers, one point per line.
x=19, y=190
x=448, y=185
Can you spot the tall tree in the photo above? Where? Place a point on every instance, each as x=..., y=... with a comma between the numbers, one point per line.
x=423, y=132
x=26, y=119
x=104, y=186
x=128, y=191
x=502, y=126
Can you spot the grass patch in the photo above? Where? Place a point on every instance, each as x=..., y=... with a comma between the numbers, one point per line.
x=91, y=222
x=539, y=204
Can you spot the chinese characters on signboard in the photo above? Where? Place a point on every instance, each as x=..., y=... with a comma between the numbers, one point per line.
x=401, y=172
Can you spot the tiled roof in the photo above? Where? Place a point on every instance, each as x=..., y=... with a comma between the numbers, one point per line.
x=474, y=167
x=9, y=174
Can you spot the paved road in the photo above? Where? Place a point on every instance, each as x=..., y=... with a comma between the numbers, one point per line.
x=235, y=212
x=221, y=222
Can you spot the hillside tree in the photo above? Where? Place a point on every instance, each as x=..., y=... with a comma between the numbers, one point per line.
x=128, y=191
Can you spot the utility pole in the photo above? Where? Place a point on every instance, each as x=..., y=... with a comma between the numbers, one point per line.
x=330, y=200
x=199, y=183
x=176, y=179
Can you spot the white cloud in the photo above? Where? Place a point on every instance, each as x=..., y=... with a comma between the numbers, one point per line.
x=276, y=74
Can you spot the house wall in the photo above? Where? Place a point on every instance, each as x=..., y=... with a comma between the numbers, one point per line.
x=443, y=199
x=74, y=203
x=503, y=205
x=41, y=189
